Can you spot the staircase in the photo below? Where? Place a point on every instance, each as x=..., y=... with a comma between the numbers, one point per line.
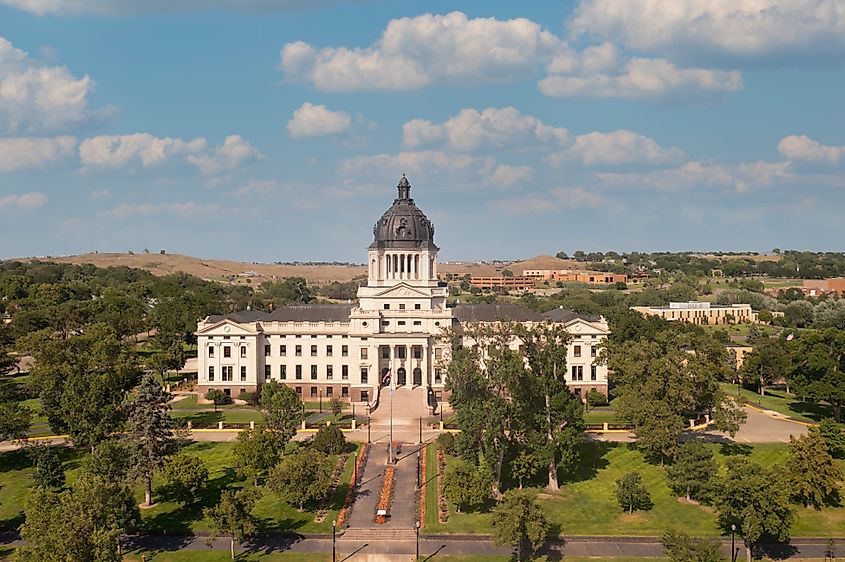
x=380, y=534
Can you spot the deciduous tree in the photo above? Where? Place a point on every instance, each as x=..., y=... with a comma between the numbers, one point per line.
x=302, y=477
x=255, y=453
x=631, y=493
x=329, y=440
x=813, y=474
x=833, y=437
x=524, y=466
x=467, y=486
x=692, y=472
x=817, y=368
x=49, y=472
x=186, y=477
x=282, y=409
x=232, y=516
x=517, y=520
x=680, y=547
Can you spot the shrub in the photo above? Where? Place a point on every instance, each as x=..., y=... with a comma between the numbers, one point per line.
x=250, y=398
x=186, y=477
x=446, y=443
x=329, y=440
x=596, y=398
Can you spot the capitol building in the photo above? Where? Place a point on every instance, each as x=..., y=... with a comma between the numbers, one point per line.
x=390, y=336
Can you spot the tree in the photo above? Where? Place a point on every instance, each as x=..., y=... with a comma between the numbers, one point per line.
x=631, y=493
x=255, y=453
x=765, y=364
x=150, y=432
x=595, y=399
x=507, y=273
x=302, y=477
x=171, y=357
x=282, y=409
x=329, y=440
x=336, y=406
x=232, y=516
x=525, y=466
x=817, y=367
x=292, y=290
x=756, y=500
x=517, y=519
x=186, y=477
x=467, y=486
x=692, y=472
x=216, y=396
x=110, y=461
x=813, y=474
x=680, y=547
x=833, y=437
x=15, y=419
x=49, y=471
x=84, y=523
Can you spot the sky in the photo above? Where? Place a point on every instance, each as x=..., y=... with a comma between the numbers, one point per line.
x=277, y=130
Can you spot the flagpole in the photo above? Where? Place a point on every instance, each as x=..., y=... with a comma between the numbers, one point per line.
x=390, y=453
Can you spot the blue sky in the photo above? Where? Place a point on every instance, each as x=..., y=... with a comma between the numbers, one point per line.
x=273, y=130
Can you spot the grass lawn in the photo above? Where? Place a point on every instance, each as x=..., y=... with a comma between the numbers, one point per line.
x=787, y=404
x=273, y=513
x=586, y=503
x=600, y=415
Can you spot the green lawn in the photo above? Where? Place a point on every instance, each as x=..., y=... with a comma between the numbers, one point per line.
x=274, y=514
x=586, y=504
x=780, y=401
x=600, y=415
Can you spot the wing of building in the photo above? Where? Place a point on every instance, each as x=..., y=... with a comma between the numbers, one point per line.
x=391, y=336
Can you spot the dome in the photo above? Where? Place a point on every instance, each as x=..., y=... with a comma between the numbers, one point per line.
x=403, y=225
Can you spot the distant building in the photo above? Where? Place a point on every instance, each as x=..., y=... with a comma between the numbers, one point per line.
x=588, y=277
x=696, y=312
x=818, y=287
x=510, y=282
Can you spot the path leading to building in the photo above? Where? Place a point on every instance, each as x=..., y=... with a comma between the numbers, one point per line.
x=408, y=407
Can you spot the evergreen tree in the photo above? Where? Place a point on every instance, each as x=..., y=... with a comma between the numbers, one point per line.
x=692, y=472
x=232, y=516
x=517, y=520
x=151, y=432
x=255, y=453
x=631, y=493
x=302, y=477
x=833, y=437
x=813, y=474
x=329, y=440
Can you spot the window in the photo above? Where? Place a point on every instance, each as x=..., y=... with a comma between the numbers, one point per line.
x=577, y=351
x=344, y=372
x=438, y=353
x=299, y=372
x=385, y=322
x=401, y=352
x=313, y=351
x=329, y=372
x=299, y=351
x=328, y=351
x=417, y=351
x=211, y=373
x=363, y=353
x=314, y=337
x=329, y=392
x=283, y=350
x=227, y=351
x=417, y=306
x=313, y=392
x=401, y=307
x=364, y=378
x=577, y=372
x=438, y=378
x=344, y=392
x=417, y=323
x=283, y=372
x=344, y=351
x=267, y=374
x=243, y=373
x=386, y=306
x=365, y=396
x=299, y=391
x=267, y=350
x=226, y=376
x=385, y=352
x=211, y=351
x=243, y=337
x=313, y=372
x=243, y=351
x=592, y=372
x=592, y=351
x=401, y=322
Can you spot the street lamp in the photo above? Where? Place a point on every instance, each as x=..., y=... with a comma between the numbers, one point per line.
x=733, y=551
x=417, y=528
x=368, y=425
x=418, y=470
x=334, y=535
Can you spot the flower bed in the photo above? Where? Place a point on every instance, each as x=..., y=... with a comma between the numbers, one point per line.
x=386, y=495
x=442, y=504
x=324, y=505
x=360, y=463
x=423, y=485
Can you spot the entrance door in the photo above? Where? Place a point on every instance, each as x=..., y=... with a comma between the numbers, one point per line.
x=401, y=379
x=417, y=376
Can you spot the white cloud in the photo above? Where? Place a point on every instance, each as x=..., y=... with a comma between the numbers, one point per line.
x=183, y=211
x=311, y=120
x=118, y=7
x=143, y=150
x=578, y=197
x=19, y=153
x=427, y=167
x=27, y=201
x=558, y=199
x=36, y=98
x=730, y=30
x=803, y=148
x=493, y=127
x=638, y=78
x=740, y=177
x=617, y=148
x=507, y=176
x=415, y=52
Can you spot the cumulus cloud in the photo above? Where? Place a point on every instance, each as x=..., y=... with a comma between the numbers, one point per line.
x=182, y=211
x=415, y=52
x=493, y=127
x=26, y=202
x=430, y=167
x=143, y=150
x=311, y=120
x=22, y=153
x=120, y=7
x=729, y=30
x=507, y=176
x=740, y=177
x=616, y=148
x=638, y=78
x=803, y=148
x=35, y=98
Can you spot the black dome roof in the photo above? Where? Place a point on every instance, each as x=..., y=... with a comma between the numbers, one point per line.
x=403, y=225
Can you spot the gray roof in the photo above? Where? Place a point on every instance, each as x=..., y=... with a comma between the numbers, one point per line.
x=563, y=315
x=292, y=313
x=494, y=312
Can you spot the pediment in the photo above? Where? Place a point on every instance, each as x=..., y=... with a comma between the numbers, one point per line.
x=228, y=327
x=402, y=290
x=578, y=326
